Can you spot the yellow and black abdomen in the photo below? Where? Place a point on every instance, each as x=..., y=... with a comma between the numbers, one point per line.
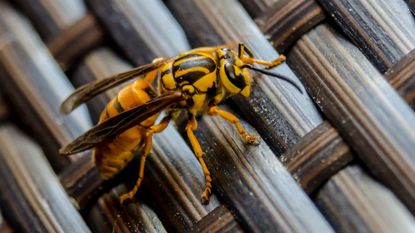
x=112, y=156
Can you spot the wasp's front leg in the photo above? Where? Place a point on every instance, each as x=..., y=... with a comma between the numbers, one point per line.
x=215, y=110
x=280, y=59
x=268, y=64
x=190, y=127
x=250, y=60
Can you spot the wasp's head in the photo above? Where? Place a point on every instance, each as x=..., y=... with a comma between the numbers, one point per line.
x=234, y=76
x=235, y=66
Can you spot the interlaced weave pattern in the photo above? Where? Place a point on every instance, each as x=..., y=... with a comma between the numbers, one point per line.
x=339, y=158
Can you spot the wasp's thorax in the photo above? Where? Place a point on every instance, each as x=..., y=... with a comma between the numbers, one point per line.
x=205, y=78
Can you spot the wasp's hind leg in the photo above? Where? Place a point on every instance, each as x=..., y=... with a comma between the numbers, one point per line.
x=146, y=151
x=190, y=127
x=215, y=110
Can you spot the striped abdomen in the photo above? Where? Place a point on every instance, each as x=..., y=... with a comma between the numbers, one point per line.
x=113, y=156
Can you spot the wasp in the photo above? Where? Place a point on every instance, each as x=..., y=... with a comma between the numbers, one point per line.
x=196, y=82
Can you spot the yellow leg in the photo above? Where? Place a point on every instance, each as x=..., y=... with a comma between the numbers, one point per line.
x=268, y=64
x=250, y=60
x=215, y=110
x=190, y=127
x=146, y=151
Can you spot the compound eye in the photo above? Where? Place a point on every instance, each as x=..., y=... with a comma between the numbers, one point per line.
x=236, y=80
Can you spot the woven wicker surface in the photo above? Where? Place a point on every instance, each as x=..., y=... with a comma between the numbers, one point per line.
x=340, y=158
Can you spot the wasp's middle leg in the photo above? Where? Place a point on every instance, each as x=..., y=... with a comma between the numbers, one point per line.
x=215, y=110
x=146, y=151
x=190, y=127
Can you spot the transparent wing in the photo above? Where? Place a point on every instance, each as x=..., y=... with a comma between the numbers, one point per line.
x=119, y=123
x=87, y=91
